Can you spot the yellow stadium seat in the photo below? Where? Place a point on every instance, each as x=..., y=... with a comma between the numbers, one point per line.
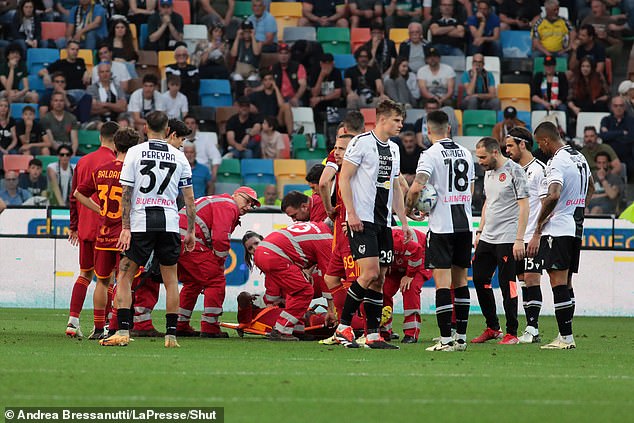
x=516, y=95
x=85, y=54
x=399, y=35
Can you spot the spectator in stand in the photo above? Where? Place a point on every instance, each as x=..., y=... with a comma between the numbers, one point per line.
x=206, y=149
x=201, y=177
x=141, y=11
x=363, y=83
x=217, y=12
x=243, y=132
x=420, y=126
x=32, y=137
x=365, y=13
x=108, y=99
x=484, y=28
x=585, y=45
x=176, y=105
x=327, y=86
x=410, y=153
x=402, y=86
x=60, y=125
x=246, y=51
x=436, y=80
x=447, y=32
x=272, y=143
x=119, y=70
x=590, y=92
x=33, y=181
x=123, y=48
x=60, y=177
x=290, y=77
x=322, y=13
x=414, y=48
x=8, y=137
x=12, y=195
x=626, y=91
x=501, y=129
x=165, y=28
x=552, y=34
x=383, y=50
x=7, y=12
x=26, y=29
x=12, y=73
x=73, y=68
x=209, y=55
x=87, y=24
x=189, y=76
x=400, y=13
x=549, y=90
x=59, y=86
x=607, y=29
x=617, y=130
x=608, y=187
x=270, y=198
x=268, y=101
x=518, y=14
x=265, y=26
x=144, y=101
x=479, y=86
x=592, y=147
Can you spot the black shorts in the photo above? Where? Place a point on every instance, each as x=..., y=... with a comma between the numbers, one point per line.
x=446, y=250
x=531, y=264
x=561, y=252
x=374, y=241
x=166, y=247
x=488, y=257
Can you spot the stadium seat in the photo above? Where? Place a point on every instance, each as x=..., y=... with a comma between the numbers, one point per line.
x=242, y=9
x=286, y=15
x=303, y=116
x=192, y=34
x=516, y=43
x=608, y=70
x=257, y=170
x=295, y=187
x=165, y=57
x=74, y=160
x=88, y=140
x=344, y=61
x=468, y=142
x=312, y=162
x=369, y=117
x=290, y=168
x=458, y=63
x=38, y=58
x=16, y=110
x=517, y=71
x=516, y=95
x=399, y=35
x=286, y=152
x=229, y=171
x=458, y=114
x=16, y=162
x=478, y=122
x=147, y=63
x=46, y=160
x=295, y=33
x=304, y=149
x=334, y=40
x=135, y=36
x=563, y=12
x=491, y=63
x=36, y=84
x=538, y=65
x=87, y=55
x=205, y=116
x=522, y=115
x=215, y=93
x=182, y=8
x=53, y=30
x=222, y=116
x=258, y=188
x=589, y=119
x=538, y=116
x=226, y=187
x=143, y=34
x=358, y=37
x=413, y=115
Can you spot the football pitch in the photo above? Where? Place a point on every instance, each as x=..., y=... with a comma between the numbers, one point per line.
x=257, y=380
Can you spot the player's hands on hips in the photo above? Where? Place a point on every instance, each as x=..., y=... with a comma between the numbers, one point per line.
x=407, y=232
x=190, y=241
x=73, y=238
x=518, y=250
x=406, y=281
x=124, y=240
x=533, y=246
x=354, y=223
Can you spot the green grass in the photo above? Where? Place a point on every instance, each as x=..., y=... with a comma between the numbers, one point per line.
x=258, y=380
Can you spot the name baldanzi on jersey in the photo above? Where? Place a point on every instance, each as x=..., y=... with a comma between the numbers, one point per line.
x=108, y=174
x=158, y=155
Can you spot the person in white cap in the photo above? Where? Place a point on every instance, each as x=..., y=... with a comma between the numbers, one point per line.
x=626, y=90
x=203, y=268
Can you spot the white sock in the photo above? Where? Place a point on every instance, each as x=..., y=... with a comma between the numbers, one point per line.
x=445, y=340
x=73, y=321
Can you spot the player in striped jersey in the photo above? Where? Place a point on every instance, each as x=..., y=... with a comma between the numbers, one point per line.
x=560, y=224
x=519, y=144
x=448, y=167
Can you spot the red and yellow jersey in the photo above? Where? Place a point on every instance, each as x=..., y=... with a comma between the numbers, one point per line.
x=317, y=209
x=338, y=234
x=409, y=259
x=83, y=220
x=105, y=185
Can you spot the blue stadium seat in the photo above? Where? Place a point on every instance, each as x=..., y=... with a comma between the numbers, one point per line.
x=516, y=43
x=38, y=58
x=257, y=171
x=215, y=93
x=143, y=36
x=522, y=115
x=295, y=187
x=35, y=84
x=344, y=61
x=16, y=110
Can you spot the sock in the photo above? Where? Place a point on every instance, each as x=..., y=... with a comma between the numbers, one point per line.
x=355, y=296
x=563, y=309
x=533, y=305
x=486, y=299
x=78, y=296
x=99, y=319
x=462, y=303
x=443, y=312
x=524, y=294
x=109, y=301
x=123, y=318
x=171, y=320
x=373, y=306
x=572, y=298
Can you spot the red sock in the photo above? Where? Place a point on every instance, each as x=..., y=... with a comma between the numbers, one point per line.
x=113, y=324
x=109, y=301
x=100, y=318
x=78, y=296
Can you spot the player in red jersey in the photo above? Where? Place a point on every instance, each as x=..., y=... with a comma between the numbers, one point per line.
x=317, y=210
x=105, y=183
x=84, y=223
x=407, y=274
x=203, y=269
x=284, y=256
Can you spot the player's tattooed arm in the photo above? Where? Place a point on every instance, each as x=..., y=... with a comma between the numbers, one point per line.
x=126, y=206
x=414, y=191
